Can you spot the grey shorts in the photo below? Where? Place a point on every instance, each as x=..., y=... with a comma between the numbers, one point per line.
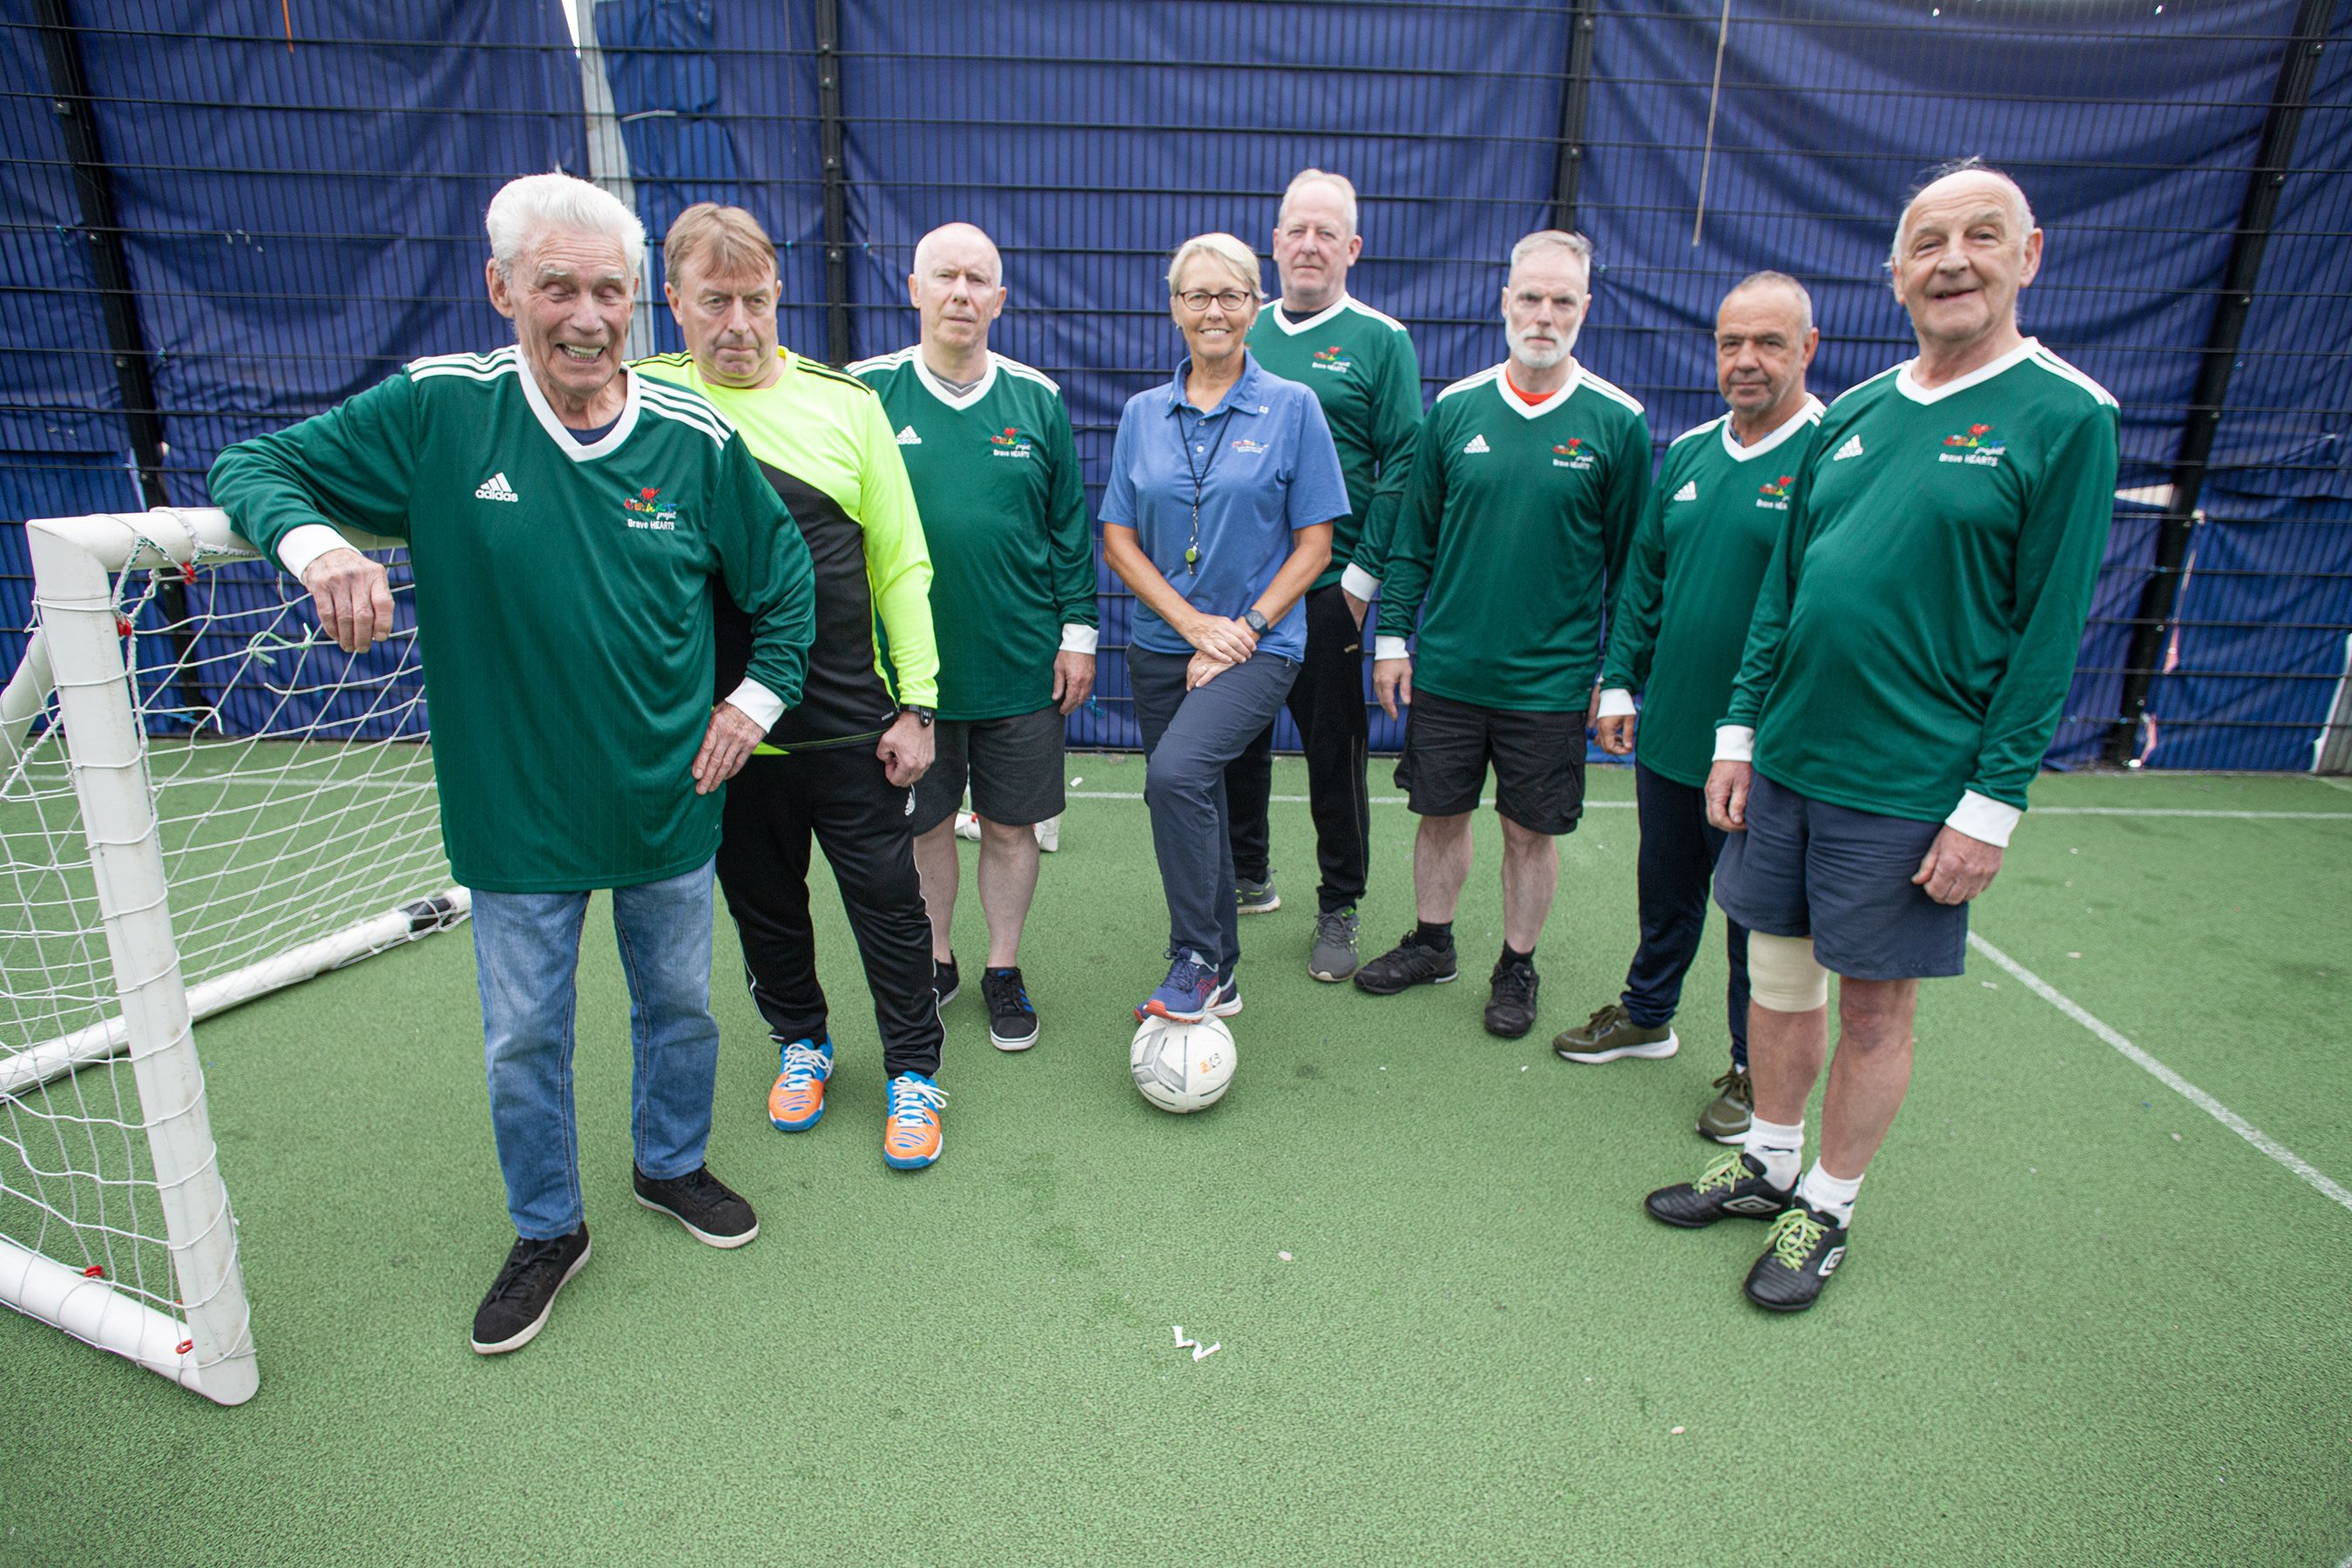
x=1014, y=765
x=1805, y=868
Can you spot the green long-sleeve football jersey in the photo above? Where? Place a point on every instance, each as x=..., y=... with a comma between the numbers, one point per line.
x=1689, y=586
x=1362, y=368
x=1515, y=522
x=1916, y=630
x=563, y=602
x=996, y=479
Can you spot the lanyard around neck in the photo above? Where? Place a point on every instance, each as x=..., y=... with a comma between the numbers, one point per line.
x=1200, y=478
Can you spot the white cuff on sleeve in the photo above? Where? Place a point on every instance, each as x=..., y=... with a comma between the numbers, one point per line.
x=305, y=544
x=1360, y=583
x=1077, y=638
x=1982, y=818
x=757, y=703
x=1734, y=742
x=1385, y=646
x=1616, y=702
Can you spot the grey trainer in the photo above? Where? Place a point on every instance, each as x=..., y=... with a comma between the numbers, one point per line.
x=1256, y=898
x=1334, y=958
x=1726, y=1116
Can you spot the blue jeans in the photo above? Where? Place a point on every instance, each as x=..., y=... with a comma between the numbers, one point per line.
x=526, y=949
x=1189, y=737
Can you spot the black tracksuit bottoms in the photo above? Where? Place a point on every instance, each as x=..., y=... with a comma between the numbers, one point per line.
x=840, y=797
x=1327, y=703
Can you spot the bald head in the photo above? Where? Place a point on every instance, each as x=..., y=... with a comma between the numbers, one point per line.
x=1773, y=292
x=967, y=241
x=1764, y=342
x=1975, y=184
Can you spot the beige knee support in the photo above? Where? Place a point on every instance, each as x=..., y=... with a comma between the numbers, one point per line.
x=1782, y=977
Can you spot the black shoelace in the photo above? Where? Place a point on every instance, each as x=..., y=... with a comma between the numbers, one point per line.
x=526, y=1261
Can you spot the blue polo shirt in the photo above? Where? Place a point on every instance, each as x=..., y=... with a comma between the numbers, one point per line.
x=1264, y=465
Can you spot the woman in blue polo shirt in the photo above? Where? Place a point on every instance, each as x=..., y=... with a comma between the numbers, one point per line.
x=1223, y=484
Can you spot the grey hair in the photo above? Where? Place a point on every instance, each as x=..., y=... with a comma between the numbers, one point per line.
x=1972, y=164
x=1768, y=279
x=1546, y=238
x=1339, y=182
x=1235, y=255
x=923, y=246
x=527, y=208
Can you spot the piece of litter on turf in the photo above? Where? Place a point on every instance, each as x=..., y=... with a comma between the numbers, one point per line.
x=1988, y=985
x=1201, y=1352
x=1675, y=1432
x=1077, y=781
x=2073, y=955
x=2176, y=1138
x=1523, y=1069
x=1284, y=1256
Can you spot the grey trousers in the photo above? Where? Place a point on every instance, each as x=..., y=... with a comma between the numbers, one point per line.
x=1188, y=739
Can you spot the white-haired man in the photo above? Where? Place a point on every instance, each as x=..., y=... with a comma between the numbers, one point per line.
x=1362, y=368
x=1676, y=635
x=1911, y=649
x=989, y=450
x=1526, y=486
x=567, y=523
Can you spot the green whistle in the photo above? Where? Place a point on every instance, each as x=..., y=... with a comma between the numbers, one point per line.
x=1191, y=556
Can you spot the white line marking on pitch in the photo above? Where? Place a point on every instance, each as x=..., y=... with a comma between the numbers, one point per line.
x=2312, y=1176
x=2040, y=811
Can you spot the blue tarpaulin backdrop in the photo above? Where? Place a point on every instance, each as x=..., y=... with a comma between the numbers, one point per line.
x=298, y=220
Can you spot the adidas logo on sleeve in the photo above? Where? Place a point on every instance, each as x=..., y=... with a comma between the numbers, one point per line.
x=496, y=488
x=906, y=436
x=1689, y=491
x=1478, y=443
x=1853, y=448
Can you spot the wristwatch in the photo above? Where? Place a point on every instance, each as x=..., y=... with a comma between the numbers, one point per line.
x=1256, y=621
x=923, y=716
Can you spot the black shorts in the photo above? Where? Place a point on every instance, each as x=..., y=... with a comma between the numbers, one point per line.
x=1014, y=767
x=1539, y=762
x=1805, y=868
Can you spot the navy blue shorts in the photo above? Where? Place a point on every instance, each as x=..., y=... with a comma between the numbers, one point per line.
x=1805, y=868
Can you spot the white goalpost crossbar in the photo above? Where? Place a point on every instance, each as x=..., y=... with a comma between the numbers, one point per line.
x=61, y=1176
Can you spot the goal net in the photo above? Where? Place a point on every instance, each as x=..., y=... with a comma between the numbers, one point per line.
x=201, y=801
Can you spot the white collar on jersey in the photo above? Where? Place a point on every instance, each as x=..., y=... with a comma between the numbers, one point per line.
x=1909, y=386
x=557, y=432
x=959, y=401
x=1290, y=329
x=1810, y=411
x=1527, y=410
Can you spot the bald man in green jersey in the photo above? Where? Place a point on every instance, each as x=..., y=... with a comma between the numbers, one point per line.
x=1911, y=649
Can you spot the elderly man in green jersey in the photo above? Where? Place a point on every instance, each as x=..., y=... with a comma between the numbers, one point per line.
x=840, y=768
x=1362, y=368
x=1911, y=649
x=988, y=449
x=1526, y=486
x=1681, y=618
x=570, y=525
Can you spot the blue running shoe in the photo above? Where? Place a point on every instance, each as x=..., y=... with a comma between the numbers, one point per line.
x=910, y=1132
x=1186, y=993
x=1228, y=999
x=798, y=1098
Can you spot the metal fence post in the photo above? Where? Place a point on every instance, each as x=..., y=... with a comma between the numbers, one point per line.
x=837, y=181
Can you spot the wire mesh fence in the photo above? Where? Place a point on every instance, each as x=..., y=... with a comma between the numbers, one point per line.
x=293, y=203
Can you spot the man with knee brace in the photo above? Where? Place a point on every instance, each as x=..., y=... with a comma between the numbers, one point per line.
x=1911, y=649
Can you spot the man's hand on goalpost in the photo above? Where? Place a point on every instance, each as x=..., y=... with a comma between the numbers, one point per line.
x=353, y=596
x=725, y=746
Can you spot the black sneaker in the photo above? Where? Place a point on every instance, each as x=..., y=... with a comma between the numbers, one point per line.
x=1511, y=1001
x=524, y=1293
x=1408, y=964
x=946, y=980
x=1734, y=1186
x=1804, y=1250
x=1011, y=1021
x=712, y=1212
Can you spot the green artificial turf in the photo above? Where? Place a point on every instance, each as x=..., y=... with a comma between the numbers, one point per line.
x=2082, y=1323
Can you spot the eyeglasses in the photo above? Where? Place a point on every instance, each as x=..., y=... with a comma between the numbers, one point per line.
x=1197, y=299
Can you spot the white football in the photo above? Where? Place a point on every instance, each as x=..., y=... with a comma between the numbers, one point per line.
x=1182, y=1067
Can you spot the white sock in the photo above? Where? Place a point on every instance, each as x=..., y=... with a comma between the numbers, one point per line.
x=1831, y=1195
x=1781, y=1150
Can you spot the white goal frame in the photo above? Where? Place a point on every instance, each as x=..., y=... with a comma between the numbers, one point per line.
x=77, y=651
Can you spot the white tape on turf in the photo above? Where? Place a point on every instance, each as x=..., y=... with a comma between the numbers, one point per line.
x=2311, y=1175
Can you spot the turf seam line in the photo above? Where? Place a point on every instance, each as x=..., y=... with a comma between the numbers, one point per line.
x=2311, y=1175
x=2042, y=811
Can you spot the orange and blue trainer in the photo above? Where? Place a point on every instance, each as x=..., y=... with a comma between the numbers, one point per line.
x=910, y=1133
x=798, y=1098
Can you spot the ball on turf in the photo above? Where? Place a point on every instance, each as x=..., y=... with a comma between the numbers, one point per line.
x=1182, y=1067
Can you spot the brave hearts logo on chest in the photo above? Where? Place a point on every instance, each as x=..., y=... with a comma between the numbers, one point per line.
x=1333, y=359
x=1572, y=453
x=1009, y=442
x=646, y=509
x=1977, y=447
